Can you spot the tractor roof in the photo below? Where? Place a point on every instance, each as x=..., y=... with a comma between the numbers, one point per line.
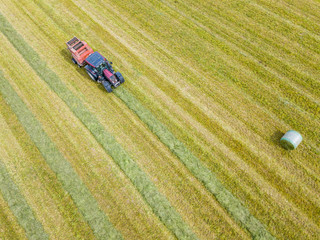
x=95, y=59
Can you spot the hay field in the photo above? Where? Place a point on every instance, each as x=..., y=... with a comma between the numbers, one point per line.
x=187, y=148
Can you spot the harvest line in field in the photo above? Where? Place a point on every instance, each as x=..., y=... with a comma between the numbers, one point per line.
x=19, y=206
x=159, y=204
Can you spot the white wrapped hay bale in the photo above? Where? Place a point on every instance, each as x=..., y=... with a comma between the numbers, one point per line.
x=291, y=140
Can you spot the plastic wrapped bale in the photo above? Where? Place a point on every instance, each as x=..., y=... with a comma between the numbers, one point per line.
x=291, y=140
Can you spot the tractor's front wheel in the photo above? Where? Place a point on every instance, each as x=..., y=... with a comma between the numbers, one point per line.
x=74, y=61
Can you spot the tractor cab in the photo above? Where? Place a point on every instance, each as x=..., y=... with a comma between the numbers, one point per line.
x=102, y=67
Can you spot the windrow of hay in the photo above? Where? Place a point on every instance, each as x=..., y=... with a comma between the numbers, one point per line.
x=19, y=206
x=195, y=166
x=82, y=197
x=159, y=204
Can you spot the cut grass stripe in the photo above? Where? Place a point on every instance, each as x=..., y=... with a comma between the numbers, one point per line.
x=19, y=206
x=9, y=227
x=159, y=204
x=85, y=202
x=224, y=197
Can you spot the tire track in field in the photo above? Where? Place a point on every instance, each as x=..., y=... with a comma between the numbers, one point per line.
x=17, y=202
x=158, y=203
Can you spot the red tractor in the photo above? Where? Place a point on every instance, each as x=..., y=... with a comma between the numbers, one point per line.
x=98, y=67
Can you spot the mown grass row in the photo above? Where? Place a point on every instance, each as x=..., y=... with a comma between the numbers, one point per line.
x=158, y=202
x=9, y=227
x=193, y=213
x=85, y=202
x=17, y=202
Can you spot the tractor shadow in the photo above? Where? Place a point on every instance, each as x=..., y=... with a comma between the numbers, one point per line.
x=67, y=57
x=276, y=136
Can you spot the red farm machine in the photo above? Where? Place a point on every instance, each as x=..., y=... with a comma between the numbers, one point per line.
x=98, y=67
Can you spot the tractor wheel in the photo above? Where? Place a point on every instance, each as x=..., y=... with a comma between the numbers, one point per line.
x=91, y=76
x=119, y=77
x=107, y=86
x=74, y=61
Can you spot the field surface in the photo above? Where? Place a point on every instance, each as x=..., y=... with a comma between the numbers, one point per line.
x=187, y=148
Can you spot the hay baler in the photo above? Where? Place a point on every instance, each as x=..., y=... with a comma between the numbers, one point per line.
x=98, y=67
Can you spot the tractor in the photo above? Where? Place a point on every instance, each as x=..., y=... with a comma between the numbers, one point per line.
x=98, y=67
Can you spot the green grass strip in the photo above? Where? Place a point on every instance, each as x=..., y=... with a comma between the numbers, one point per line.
x=20, y=207
x=82, y=197
x=159, y=204
x=195, y=166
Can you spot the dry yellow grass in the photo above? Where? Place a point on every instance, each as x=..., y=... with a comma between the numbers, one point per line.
x=224, y=80
x=9, y=227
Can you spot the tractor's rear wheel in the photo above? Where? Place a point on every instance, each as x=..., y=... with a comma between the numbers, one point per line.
x=91, y=76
